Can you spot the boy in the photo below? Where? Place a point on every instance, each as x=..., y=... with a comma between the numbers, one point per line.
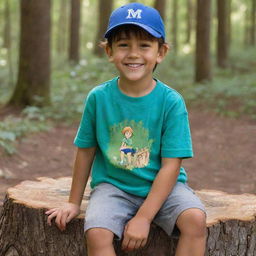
x=126, y=198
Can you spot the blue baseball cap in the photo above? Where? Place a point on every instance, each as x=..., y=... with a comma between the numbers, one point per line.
x=140, y=15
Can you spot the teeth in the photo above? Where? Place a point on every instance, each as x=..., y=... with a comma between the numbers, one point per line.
x=134, y=65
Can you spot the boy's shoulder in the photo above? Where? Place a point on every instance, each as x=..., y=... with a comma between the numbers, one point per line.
x=103, y=86
x=170, y=93
x=100, y=90
x=174, y=102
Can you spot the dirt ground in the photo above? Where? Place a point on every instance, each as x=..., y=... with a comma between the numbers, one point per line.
x=224, y=155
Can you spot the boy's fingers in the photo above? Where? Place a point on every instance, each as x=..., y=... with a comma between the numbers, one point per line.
x=62, y=216
x=57, y=220
x=51, y=211
x=63, y=220
x=143, y=243
x=131, y=245
x=125, y=243
x=50, y=217
x=70, y=217
x=138, y=244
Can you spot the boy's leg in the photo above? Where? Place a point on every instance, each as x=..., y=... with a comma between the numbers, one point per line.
x=100, y=242
x=186, y=210
x=107, y=212
x=192, y=226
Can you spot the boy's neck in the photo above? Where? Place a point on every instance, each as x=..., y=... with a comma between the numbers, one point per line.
x=136, y=88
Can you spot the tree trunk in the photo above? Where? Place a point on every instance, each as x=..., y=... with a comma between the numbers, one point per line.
x=74, y=31
x=253, y=23
x=104, y=11
x=247, y=26
x=222, y=37
x=62, y=27
x=7, y=40
x=203, y=58
x=160, y=5
x=174, y=25
x=24, y=232
x=33, y=85
x=229, y=23
x=189, y=21
x=7, y=26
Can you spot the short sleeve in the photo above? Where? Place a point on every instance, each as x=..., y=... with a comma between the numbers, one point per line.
x=176, y=137
x=86, y=134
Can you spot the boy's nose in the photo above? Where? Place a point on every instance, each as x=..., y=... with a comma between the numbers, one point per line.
x=133, y=52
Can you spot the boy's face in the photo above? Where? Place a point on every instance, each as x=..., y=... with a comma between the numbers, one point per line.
x=135, y=58
x=128, y=134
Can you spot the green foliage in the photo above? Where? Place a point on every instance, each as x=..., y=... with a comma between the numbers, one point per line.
x=70, y=85
x=232, y=91
x=13, y=128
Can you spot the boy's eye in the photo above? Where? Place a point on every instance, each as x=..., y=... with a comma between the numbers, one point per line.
x=122, y=45
x=145, y=45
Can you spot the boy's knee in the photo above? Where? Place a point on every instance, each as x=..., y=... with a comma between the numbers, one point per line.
x=99, y=237
x=192, y=222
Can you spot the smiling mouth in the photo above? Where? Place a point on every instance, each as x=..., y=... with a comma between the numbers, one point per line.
x=133, y=65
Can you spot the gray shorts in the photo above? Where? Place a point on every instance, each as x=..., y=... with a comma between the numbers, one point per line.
x=111, y=208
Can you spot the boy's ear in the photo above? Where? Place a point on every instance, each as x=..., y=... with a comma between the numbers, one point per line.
x=162, y=52
x=108, y=51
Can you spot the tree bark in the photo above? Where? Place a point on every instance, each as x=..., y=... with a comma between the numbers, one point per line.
x=104, y=11
x=33, y=85
x=160, y=5
x=7, y=26
x=174, y=24
x=7, y=42
x=229, y=22
x=203, y=58
x=61, y=42
x=247, y=27
x=222, y=35
x=74, y=38
x=23, y=229
x=189, y=19
x=253, y=23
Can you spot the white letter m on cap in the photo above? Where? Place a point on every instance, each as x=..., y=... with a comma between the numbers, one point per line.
x=134, y=14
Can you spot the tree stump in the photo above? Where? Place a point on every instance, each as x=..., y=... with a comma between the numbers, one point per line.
x=24, y=231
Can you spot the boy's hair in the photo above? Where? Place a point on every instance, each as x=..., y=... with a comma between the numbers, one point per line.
x=128, y=30
x=127, y=129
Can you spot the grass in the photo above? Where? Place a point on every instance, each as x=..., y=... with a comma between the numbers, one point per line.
x=231, y=93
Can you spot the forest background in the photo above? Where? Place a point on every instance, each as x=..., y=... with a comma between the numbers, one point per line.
x=50, y=59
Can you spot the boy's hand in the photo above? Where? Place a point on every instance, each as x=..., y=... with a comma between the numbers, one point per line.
x=136, y=233
x=63, y=215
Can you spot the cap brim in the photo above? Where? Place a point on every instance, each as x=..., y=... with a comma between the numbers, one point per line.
x=145, y=27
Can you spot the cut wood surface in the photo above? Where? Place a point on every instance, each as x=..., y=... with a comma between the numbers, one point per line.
x=24, y=231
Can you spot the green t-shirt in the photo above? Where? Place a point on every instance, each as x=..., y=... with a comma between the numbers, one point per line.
x=156, y=125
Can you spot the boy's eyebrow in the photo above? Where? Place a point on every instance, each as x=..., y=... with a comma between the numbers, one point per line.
x=122, y=38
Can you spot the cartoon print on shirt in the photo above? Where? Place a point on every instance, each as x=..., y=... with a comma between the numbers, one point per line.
x=134, y=151
x=126, y=146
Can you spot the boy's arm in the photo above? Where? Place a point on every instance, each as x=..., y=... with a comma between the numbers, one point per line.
x=137, y=229
x=81, y=172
